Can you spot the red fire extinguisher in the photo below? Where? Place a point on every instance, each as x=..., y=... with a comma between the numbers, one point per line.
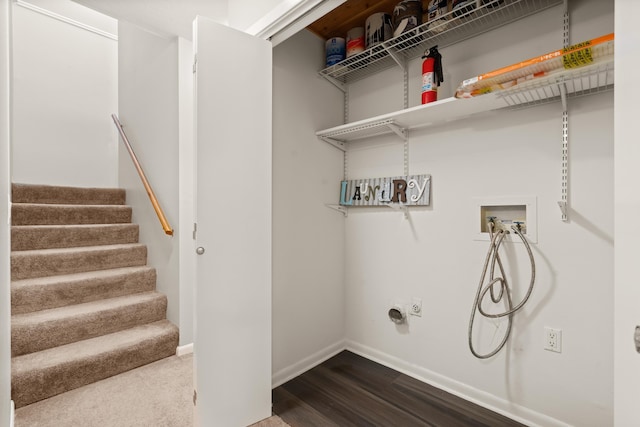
x=431, y=75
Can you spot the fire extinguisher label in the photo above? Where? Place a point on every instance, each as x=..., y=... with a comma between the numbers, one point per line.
x=427, y=82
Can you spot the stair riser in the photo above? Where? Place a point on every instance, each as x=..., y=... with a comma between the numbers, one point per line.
x=26, y=214
x=34, y=384
x=34, y=297
x=25, y=265
x=29, y=336
x=25, y=238
x=24, y=193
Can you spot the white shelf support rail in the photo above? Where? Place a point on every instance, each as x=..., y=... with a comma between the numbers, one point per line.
x=345, y=158
x=405, y=87
x=564, y=186
x=406, y=158
x=564, y=202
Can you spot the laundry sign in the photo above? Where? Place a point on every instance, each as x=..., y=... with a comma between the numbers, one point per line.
x=411, y=190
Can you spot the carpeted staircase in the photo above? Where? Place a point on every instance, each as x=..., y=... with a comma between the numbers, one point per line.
x=83, y=300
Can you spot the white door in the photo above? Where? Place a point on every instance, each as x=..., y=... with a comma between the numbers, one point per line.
x=233, y=211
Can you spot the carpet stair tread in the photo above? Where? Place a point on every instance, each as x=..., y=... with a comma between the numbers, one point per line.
x=83, y=301
x=42, y=293
x=31, y=193
x=30, y=237
x=43, y=374
x=60, y=214
x=53, y=262
x=39, y=330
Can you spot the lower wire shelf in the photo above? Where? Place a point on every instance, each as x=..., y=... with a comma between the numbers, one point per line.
x=587, y=80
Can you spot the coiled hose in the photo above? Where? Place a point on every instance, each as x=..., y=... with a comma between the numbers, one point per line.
x=497, y=295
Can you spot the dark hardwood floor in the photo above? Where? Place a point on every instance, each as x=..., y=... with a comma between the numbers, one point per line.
x=349, y=390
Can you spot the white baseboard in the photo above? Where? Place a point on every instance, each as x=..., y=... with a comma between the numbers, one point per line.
x=509, y=409
x=290, y=372
x=184, y=349
x=12, y=419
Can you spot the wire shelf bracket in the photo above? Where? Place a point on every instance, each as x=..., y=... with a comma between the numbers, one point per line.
x=402, y=62
x=340, y=145
x=338, y=208
x=401, y=132
x=399, y=207
x=337, y=83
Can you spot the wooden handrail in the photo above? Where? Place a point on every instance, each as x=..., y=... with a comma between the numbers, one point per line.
x=154, y=201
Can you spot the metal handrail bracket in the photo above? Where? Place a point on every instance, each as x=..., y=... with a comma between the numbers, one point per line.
x=152, y=196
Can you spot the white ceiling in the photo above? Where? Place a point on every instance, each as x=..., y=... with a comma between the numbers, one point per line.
x=270, y=19
x=164, y=17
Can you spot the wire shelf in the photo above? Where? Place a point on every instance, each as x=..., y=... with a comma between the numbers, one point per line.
x=442, y=33
x=598, y=77
x=586, y=80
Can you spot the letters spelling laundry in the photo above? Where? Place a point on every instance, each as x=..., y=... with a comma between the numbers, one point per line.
x=413, y=190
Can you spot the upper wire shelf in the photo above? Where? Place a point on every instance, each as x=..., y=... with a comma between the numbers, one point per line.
x=442, y=33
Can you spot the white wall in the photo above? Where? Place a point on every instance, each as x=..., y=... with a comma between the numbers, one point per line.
x=65, y=88
x=627, y=205
x=186, y=176
x=148, y=110
x=5, y=191
x=433, y=255
x=308, y=238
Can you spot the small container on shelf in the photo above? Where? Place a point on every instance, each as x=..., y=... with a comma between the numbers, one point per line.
x=378, y=29
x=335, y=50
x=407, y=15
x=355, y=41
x=437, y=15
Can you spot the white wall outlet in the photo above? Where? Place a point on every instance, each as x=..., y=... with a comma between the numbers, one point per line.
x=415, y=309
x=553, y=339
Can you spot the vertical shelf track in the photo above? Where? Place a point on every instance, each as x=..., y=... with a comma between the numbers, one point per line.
x=406, y=105
x=564, y=190
x=341, y=145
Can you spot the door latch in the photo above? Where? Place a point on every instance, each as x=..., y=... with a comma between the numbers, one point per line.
x=637, y=338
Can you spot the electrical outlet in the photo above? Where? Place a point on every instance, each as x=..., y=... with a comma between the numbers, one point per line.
x=416, y=307
x=553, y=339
